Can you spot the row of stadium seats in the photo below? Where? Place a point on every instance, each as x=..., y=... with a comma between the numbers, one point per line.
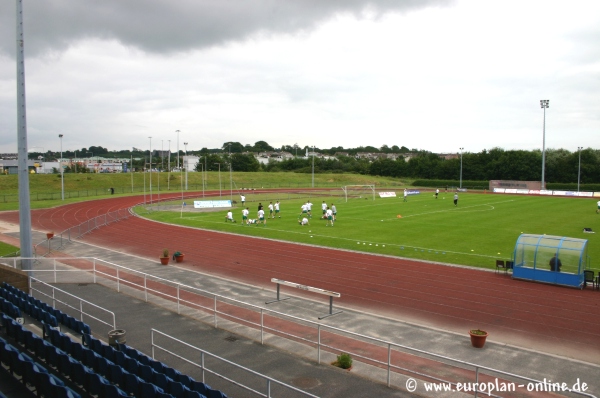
x=129, y=366
x=30, y=372
x=41, y=311
x=98, y=368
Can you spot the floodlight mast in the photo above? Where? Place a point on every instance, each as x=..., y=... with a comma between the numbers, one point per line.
x=579, y=148
x=461, y=154
x=544, y=104
x=62, y=174
x=25, y=235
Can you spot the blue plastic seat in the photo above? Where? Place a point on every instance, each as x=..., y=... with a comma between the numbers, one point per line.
x=120, y=358
x=201, y=387
x=142, y=358
x=176, y=389
x=158, y=366
x=28, y=339
x=89, y=358
x=12, y=329
x=93, y=383
x=172, y=373
x=131, y=365
x=48, y=383
x=38, y=375
x=132, y=384
x=115, y=374
x=78, y=373
x=149, y=390
x=85, y=328
x=72, y=323
x=77, y=351
x=146, y=373
x=193, y=394
x=108, y=352
x=161, y=380
x=185, y=380
x=215, y=394
x=86, y=339
x=64, y=362
x=101, y=365
x=96, y=346
x=112, y=391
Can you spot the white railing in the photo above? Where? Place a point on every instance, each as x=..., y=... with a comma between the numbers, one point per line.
x=81, y=302
x=324, y=335
x=267, y=381
x=78, y=231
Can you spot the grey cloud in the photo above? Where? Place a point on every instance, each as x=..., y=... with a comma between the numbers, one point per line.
x=163, y=26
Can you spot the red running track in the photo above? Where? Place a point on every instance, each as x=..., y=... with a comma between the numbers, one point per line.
x=547, y=318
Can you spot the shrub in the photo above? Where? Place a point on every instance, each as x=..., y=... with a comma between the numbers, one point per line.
x=344, y=361
x=165, y=253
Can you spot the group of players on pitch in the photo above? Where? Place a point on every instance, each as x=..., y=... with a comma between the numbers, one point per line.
x=329, y=214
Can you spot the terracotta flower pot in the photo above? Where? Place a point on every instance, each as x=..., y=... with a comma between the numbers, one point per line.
x=50, y=235
x=164, y=260
x=179, y=259
x=478, y=337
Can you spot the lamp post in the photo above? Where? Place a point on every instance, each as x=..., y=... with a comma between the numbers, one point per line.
x=185, y=165
x=62, y=174
x=219, y=180
x=544, y=104
x=177, y=131
x=461, y=153
x=230, y=175
x=150, y=138
x=579, y=148
x=313, y=167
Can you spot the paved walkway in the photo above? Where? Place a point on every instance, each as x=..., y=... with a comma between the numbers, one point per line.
x=295, y=363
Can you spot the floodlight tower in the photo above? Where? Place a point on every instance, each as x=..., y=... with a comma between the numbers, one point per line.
x=62, y=174
x=579, y=148
x=185, y=165
x=150, y=169
x=461, y=153
x=544, y=104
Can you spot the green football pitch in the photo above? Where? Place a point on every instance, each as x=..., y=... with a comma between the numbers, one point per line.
x=476, y=232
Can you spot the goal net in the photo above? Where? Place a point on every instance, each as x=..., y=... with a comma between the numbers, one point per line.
x=359, y=192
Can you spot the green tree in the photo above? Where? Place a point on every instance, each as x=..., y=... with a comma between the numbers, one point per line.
x=243, y=162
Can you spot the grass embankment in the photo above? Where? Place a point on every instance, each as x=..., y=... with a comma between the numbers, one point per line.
x=45, y=189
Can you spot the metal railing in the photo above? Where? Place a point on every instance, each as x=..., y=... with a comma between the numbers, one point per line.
x=81, y=302
x=58, y=241
x=268, y=382
x=254, y=316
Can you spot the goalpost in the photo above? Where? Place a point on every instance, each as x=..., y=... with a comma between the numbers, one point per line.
x=359, y=191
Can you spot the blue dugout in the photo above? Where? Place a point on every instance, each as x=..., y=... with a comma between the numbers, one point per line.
x=551, y=259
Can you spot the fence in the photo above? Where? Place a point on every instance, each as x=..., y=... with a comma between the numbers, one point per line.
x=267, y=382
x=384, y=354
x=58, y=241
x=52, y=296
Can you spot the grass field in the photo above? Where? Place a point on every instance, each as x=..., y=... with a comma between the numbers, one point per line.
x=481, y=229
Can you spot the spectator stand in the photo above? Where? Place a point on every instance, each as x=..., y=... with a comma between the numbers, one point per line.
x=534, y=259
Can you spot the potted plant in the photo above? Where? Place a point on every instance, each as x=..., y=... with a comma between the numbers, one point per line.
x=343, y=361
x=164, y=260
x=478, y=337
x=49, y=235
x=178, y=256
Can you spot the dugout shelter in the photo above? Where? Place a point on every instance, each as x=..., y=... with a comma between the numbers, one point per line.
x=558, y=260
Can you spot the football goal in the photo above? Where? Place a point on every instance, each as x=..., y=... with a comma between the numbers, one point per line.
x=359, y=192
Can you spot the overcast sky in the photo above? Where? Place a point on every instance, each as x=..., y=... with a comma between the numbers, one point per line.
x=427, y=74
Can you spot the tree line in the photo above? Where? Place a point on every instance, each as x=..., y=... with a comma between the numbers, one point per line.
x=561, y=166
